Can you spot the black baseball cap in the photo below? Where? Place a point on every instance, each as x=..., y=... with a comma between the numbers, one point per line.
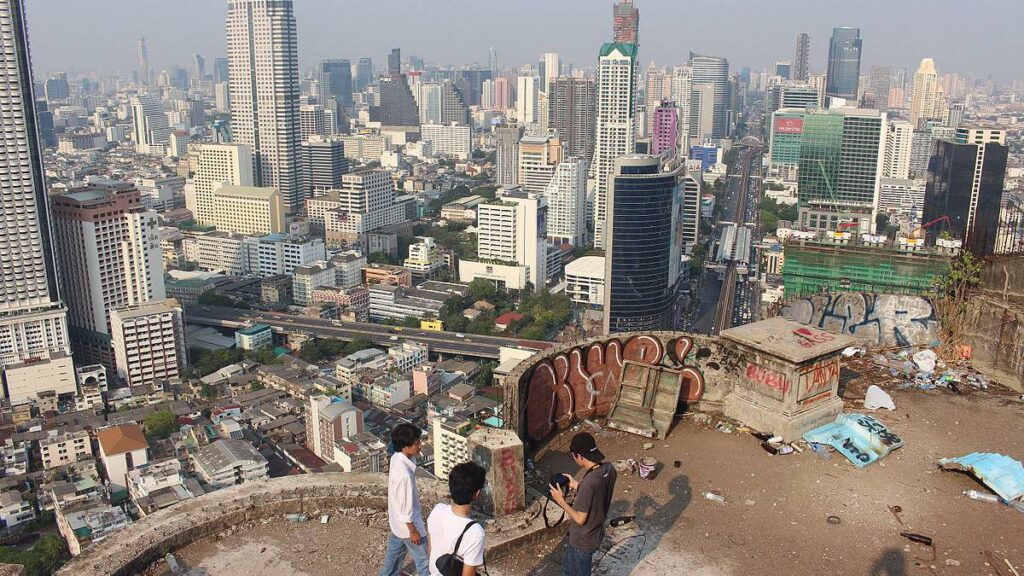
x=584, y=444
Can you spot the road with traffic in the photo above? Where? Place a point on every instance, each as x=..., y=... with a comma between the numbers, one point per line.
x=451, y=343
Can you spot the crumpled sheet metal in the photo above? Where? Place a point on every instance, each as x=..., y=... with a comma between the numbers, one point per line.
x=859, y=437
x=1004, y=475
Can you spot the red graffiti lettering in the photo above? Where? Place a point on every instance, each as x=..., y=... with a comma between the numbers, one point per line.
x=810, y=338
x=766, y=377
x=818, y=380
x=510, y=472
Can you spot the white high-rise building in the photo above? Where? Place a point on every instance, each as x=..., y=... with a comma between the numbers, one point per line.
x=681, y=92
x=149, y=123
x=552, y=68
x=510, y=230
x=108, y=247
x=615, y=133
x=538, y=156
x=567, y=203
x=526, y=99
x=35, y=355
x=312, y=120
x=657, y=87
x=898, y=144
x=263, y=69
x=690, y=221
x=449, y=139
x=922, y=99
x=249, y=210
x=218, y=165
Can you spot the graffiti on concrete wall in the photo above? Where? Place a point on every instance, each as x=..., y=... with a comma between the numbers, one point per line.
x=818, y=381
x=585, y=380
x=881, y=319
x=767, y=378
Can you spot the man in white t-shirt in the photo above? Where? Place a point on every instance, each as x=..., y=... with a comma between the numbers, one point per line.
x=448, y=522
x=405, y=517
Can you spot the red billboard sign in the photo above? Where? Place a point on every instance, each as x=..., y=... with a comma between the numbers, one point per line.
x=789, y=125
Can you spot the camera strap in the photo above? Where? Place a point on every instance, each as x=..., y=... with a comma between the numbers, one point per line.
x=544, y=512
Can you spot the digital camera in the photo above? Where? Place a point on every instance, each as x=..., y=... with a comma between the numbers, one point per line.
x=560, y=480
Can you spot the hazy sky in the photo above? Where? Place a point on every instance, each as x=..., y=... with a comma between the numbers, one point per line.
x=980, y=36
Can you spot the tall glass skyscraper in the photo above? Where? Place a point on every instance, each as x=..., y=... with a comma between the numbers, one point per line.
x=336, y=82
x=843, y=76
x=714, y=70
x=644, y=245
x=35, y=354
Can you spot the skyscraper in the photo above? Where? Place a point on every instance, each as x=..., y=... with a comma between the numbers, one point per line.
x=881, y=81
x=965, y=184
x=552, y=69
x=264, y=73
x=35, y=355
x=626, y=23
x=657, y=87
x=841, y=160
x=323, y=163
x=108, y=247
x=335, y=81
x=802, y=57
x=843, y=76
x=198, y=67
x=615, y=129
x=526, y=99
x=644, y=245
x=397, y=103
x=145, y=77
x=922, y=99
x=665, y=134
x=364, y=74
x=218, y=165
x=506, y=156
x=538, y=157
x=571, y=112
x=567, y=203
x=454, y=108
x=149, y=123
x=220, y=70
x=714, y=70
x=492, y=61
x=898, y=145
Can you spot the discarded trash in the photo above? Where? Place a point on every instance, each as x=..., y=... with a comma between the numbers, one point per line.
x=896, y=513
x=877, y=398
x=859, y=437
x=966, y=352
x=296, y=517
x=616, y=522
x=726, y=427
x=678, y=463
x=976, y=495
x=1004, y=475
x=925, y=360
x=851, y=351
x=917, y=538
x=172, y=562
x=647, y=466
x=714, y=497
x=777, y=449
x=624, y=467
x=820, y=450
x=834, y=520
x=325, y=518
x=648, y=445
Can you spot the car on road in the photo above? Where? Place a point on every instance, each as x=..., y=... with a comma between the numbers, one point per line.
x=393, y=337
x=460, y=335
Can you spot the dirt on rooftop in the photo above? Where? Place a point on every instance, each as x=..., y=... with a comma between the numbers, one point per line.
x=776, y=516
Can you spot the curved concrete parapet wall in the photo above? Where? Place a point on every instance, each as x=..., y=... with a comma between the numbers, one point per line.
x=562, y=384
x=131, y=550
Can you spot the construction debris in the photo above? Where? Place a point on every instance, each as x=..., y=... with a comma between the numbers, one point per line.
x=1004, y=475
x=859, y=437
x=877, y=398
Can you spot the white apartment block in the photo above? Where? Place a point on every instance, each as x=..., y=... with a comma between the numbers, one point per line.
x=281, y=254
x=363, y=147
x=228, y=462
x=218, y=165
x=219, y=251
x=450, y=445
x=584, y=281
x=348, y=267
x=149, y=123
x=526, y=99
x=690, y=223
x=615, y=132
x=566, y=194
x=309, y=277
x=149, y=342
x=423, y=258
x=538, y=157
x=510, y=230
x=328, y=420
x=898, y=139
x=61, y=449
x=365, y=202
x=312, y=121
x=249, y=210
x=407, y=356
x=263, y=70
x=449, y=140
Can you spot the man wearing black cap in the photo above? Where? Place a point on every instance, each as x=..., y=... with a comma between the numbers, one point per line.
x=589, y=510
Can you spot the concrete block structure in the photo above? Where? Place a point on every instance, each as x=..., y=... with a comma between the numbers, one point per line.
x=500, y=452
x=789, y=379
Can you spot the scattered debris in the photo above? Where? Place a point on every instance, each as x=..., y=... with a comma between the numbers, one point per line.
x=648, y=445
x=1004, y=475
x=877, y=398
x=981, y=496
x=714, y=497
x=951, y=562
x=851, y=351
x=325, y=518
x=822, y=451
x=616, y=522
x=920, y=539
x=859, y=437
x=625, y=467
x=172, y=562
x=296, y=517
x=648, y=466
x=834, y=520
x=896, y=510
x=925, y=360
x=726, y=427
x=678, y=463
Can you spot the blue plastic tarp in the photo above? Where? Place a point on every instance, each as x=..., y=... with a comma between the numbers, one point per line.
x=1004, y=475
x=859, y=437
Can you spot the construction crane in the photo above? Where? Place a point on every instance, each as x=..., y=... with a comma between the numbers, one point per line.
x=913, y=233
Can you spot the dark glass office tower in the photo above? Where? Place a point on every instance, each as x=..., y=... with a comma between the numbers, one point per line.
x=965, y=184
x=364, y=74
x=643, y=248
x=336, y=82
x=843, y=63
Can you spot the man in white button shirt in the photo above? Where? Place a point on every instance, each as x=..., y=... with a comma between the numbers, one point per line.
x=408, y=532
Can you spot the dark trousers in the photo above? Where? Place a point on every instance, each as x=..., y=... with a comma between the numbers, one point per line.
x=576, y=562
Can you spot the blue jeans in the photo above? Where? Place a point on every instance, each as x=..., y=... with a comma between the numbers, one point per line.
x=576, y=562
x=395, y=555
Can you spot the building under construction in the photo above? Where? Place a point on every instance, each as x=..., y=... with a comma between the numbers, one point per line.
x=841, y=261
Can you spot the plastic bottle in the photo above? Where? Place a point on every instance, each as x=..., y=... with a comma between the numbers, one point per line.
x=976, y=495
x=715, y=497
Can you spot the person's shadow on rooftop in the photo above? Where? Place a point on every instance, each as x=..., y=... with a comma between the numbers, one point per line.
x=892, y=563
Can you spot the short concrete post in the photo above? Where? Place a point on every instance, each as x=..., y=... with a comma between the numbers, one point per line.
x=500, y=452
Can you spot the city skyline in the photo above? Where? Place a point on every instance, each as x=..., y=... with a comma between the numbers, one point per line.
x=887, y=40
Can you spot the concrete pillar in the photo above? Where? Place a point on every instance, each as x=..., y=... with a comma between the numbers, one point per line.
x=500, y=452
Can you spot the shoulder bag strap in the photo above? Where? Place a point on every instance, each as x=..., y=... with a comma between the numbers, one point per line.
x=459, y=541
